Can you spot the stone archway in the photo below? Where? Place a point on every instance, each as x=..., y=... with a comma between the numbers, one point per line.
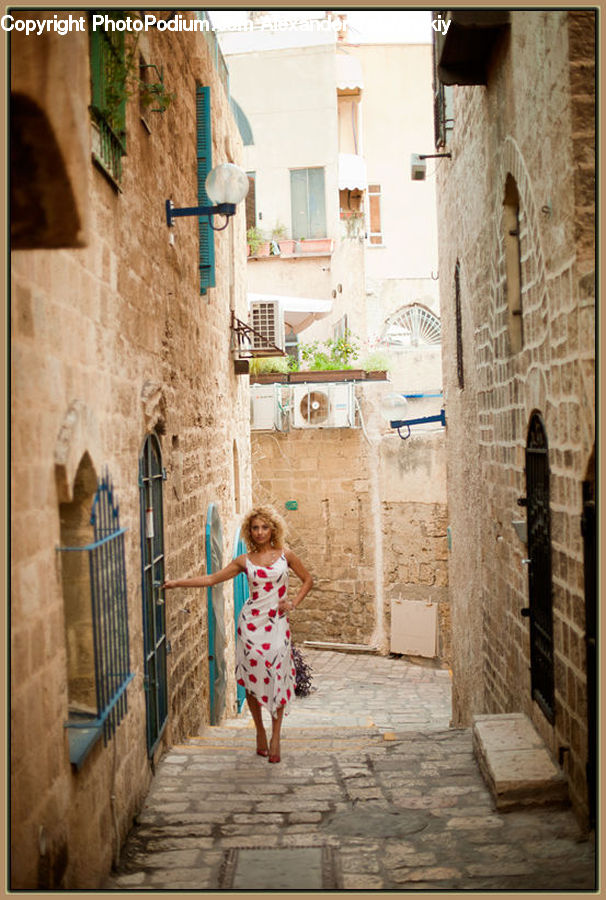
x=44, y=212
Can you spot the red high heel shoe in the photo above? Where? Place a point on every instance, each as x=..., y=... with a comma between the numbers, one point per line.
x=262, y=752
x=274, y=759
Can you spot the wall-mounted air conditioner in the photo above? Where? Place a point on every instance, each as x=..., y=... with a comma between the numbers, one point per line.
x=323, y=405
x=266, y=408
x=267, y=318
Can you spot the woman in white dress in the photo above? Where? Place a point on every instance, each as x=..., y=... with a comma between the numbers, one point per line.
x=264, y=663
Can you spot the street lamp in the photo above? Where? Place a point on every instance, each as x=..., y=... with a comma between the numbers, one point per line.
x=226, y=185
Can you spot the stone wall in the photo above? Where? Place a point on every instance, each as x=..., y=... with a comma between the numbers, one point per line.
x=495, y=136
x=370, y=522
x=112, y=341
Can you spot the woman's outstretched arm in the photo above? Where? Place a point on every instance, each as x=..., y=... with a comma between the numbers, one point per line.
x=230, y=571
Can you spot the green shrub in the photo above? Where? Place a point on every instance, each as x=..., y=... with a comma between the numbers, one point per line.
x=332, y=354
x=266, y=365
x=377, y=361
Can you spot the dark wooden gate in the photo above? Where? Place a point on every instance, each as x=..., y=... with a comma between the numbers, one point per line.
x=589, y=560
x=539, y=567
x=151, y=477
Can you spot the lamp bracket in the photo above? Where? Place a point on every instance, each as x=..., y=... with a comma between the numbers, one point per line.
x=434, y=155
x=406, y=423
x=221, y=209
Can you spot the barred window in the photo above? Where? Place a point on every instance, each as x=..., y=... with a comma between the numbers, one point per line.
x=96, y=614
x=108, y=67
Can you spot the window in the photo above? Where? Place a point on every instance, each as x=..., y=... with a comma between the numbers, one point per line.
x=513, y=268
x=412, y=326
x=339, y=329
x=443, y=102
x=374, y=203
x=204, y=158
x=251, y=201
x=93, y=575
x=459, y=325
x=308, y=205
x=108, y=93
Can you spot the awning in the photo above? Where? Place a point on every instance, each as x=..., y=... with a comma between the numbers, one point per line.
x=299, y=312
x=352, y=172
x=349, y=72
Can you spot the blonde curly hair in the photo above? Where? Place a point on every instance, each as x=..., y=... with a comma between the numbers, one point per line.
x=272, y=518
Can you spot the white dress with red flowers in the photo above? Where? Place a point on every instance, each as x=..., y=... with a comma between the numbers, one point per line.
x=264, y=663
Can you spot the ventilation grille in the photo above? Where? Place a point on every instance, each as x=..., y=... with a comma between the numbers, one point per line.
x=267, y=319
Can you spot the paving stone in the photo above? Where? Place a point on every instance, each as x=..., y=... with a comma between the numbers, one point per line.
x=409, y=815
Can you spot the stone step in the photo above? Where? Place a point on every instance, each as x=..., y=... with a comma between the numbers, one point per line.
x=515, y=763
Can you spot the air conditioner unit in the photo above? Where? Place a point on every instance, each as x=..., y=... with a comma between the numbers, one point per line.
x=267, y=318
x=266, y=408
x=323, y=406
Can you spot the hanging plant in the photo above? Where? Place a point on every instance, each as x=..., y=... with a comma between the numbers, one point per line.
x=154, y=92
x=122, y=80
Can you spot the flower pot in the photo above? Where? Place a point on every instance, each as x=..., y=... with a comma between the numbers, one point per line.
x=287, y=248
x=270, y=378
x=326, y=375
x=262, y=250
x=377, y=375
x=315, y=245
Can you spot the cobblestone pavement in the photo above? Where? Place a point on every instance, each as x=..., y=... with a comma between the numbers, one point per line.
x=374, y=792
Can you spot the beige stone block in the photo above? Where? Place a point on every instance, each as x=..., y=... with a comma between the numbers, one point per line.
x=514, y=761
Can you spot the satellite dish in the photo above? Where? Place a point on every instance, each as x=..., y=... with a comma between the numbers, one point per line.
x=314, y=407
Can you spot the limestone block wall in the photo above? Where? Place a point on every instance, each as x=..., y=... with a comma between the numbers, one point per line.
x=370, y=522
x=112, y=342
x=495, y=135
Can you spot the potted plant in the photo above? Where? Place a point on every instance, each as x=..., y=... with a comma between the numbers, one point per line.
x=287, y=246
x=354, y=222
x=267, y=369
x=376, y=365
x=330, y=360
x=257, y=245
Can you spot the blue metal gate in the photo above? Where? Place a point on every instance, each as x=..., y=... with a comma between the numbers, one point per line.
x=216, y=616
x=241, y=593
x=151, y=476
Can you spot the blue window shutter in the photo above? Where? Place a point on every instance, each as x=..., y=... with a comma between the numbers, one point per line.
x=204, y=163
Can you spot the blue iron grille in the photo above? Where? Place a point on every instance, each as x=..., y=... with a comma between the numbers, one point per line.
x=108, y=89
x=107, y=571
